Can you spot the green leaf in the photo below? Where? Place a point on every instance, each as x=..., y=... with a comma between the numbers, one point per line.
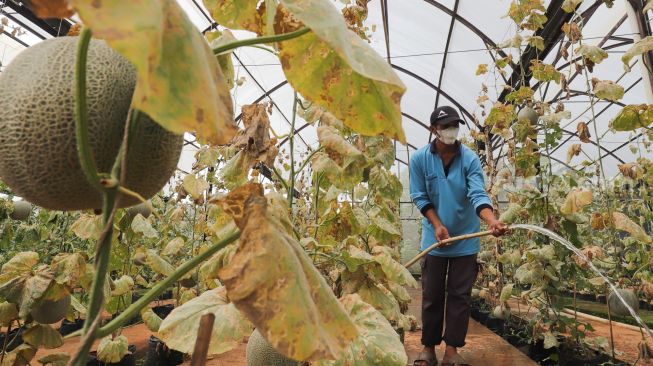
x=158, y=264
x=354, y=257
x=290, y=302
x=43, y=335
x=570, y=6
x=68, y=268
x=377, y=344
x=336, y=69
x=235, y=171
x=55, y=359
x=141, y=225
x=195, y=186
x=179, y=329
x=112, y=350
x=173, y=247
x=632, y=117
x=179, y=83
x=151, y=319
x=606, y=89
x=640, y=47
x=593, y=53
x=8, y=313
x=237, y=14
x=122, y=285
x=511, y=214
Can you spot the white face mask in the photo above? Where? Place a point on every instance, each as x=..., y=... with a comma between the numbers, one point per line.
x=449, y=135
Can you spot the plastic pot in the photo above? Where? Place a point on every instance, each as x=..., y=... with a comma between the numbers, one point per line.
x=68, y=327
x=483, y=315
x=163, y=310
x=128, y=360
x=158, y=354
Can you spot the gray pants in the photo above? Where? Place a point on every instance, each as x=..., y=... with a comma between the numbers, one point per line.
x=446, y=284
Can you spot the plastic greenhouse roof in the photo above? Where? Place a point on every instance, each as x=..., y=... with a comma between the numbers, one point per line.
x=435, y=47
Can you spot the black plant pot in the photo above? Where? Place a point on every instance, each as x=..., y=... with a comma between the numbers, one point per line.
x=15, y=339
x=496, y=325
x=166, y=295
x=158, y=354
x=163, y=310
x=538, y=353
x=128, y=360
x=483, y=315
x=475, y=313
x=68, y=327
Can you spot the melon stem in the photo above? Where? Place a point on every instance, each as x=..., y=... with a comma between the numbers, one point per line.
x=260, y=40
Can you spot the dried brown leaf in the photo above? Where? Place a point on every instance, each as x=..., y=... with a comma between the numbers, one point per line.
x=47, y=9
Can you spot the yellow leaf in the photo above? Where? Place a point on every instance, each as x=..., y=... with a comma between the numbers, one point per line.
x=179, y=84
x=624, y=223
x=272, y=281
x=334, y=68
x=575, y=201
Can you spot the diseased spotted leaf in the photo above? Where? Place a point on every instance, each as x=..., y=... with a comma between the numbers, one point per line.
x=289, y=302
x=607, y=89
x=122, y=285
x=592, y=53
x=87, y=227
x=23, y=281
x=217, y=38
x=481, y=69
x=68, y=268
x=20, y=356
x=545, y=72
x=570, y=5
x=336, y=69
x=143, y=226
x=643, y=45
x=195, y=186
x=632, y=117
x=179, y=329
x=583, y=132
x=173, y=247
x=382, y=299
x=47, y=9
x=377, y=343
x=151, y=319
x=237, y=14
x=255, y=140
x=536, y=42
x=179, y=83
x=574, y=150
x=158, y=264
x=8, y=313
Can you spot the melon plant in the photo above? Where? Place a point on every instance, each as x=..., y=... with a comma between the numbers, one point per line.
x=261, y=353
x=141, y=208
x=38, y=156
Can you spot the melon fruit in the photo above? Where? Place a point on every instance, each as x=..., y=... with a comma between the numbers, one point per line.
x=21, y=211
x=50, y=312
x=528, y=113
x=141, y=208
x=260, y=353
x=617, y=307
x=38, y=150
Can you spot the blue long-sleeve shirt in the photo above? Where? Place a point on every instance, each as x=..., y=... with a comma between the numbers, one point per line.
x=456, y=197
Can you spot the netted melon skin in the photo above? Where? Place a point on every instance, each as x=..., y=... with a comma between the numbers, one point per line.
x=38, y=153
x=21, y=211
x=260, y=353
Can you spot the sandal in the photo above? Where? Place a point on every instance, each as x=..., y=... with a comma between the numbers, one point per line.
x=426, y=357
x=456, y=360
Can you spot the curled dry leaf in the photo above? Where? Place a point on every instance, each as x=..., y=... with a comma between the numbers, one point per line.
x=583, y=132
x=255, y=140
x=46, y=9
x=591, y=252
x=575, y=201
x=630, y=170
x=574, y=150
x=272, y=281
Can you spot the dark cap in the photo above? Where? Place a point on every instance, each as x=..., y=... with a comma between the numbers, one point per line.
x=444, y=115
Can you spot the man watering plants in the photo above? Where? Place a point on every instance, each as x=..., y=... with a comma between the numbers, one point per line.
x=447, y=186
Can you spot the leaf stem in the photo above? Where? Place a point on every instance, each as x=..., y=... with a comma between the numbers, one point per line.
x=84, y=152
x=160, y=287
x=291, y=140
x=260, y=40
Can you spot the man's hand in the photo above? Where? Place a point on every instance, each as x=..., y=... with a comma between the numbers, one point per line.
x=441, y=233
x=498, y=228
